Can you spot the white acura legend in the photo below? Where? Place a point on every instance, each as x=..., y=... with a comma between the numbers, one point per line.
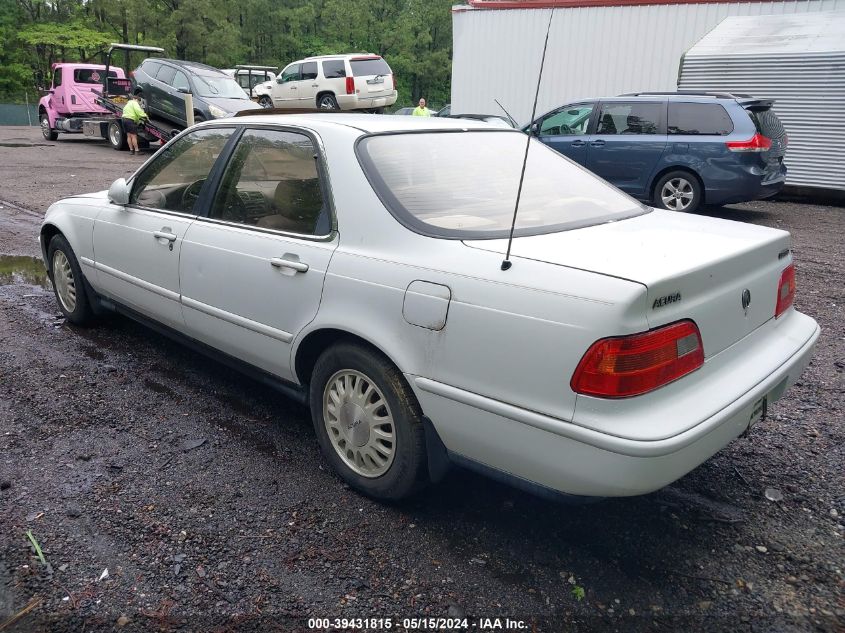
x=355, y=261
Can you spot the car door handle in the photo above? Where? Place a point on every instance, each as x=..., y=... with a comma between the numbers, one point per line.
x=315, y=85
x=579, y=143
x=293, y=87
x=596, y=143
x=164, y=235
x=280, y=262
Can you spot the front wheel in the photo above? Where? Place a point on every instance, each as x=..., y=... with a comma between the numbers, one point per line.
x=49, y=134
x=68, y=283
x=265, y=102
x=678, y=191
x=117, y=135
x=327, y=102
x=368, y=422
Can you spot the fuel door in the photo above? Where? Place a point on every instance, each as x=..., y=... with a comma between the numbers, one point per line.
x=426, y=304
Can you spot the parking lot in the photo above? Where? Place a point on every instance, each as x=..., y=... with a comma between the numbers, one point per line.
x=204, y=496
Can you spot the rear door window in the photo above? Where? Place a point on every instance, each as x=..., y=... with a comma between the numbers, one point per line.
x=309, y=70
x=334, y=69
x=629, y=118
x=166, y=74
x=366, y=66
x=699, y=119
x=151, y=68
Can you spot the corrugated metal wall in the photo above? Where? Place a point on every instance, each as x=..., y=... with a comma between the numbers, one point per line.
x=809, y=89
x=593, y=51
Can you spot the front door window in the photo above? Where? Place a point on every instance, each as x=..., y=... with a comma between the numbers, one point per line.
x=174, y=179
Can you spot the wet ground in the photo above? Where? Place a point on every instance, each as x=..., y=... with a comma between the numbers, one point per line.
x=166, y=492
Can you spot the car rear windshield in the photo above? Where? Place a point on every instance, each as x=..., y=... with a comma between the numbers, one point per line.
x=463, y=185
x=369, y=66
x=221, y=87
x=90, y=75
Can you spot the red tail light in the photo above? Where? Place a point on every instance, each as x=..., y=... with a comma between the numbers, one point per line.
x=350, y=85
x=624, y=366
x=757, y=143
x=393, y=80
x=786, y=290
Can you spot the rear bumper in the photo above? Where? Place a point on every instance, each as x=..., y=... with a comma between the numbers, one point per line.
x=749, y=183
x=578, y=460
x=358, y=102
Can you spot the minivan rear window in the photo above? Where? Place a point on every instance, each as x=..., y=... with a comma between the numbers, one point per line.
x=369, y=66
x=699, y=119
x=463, y=185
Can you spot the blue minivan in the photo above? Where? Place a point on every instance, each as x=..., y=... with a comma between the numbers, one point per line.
x=674, y=150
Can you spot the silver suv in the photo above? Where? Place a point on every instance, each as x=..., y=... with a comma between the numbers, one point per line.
x=359, y=81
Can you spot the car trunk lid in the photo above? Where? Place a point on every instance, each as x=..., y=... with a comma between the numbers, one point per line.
x=769, y=125
x=693, y=267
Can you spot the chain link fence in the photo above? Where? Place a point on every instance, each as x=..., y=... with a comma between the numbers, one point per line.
x=19, y=109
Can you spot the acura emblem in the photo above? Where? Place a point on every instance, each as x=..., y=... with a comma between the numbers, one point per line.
x=746, y=300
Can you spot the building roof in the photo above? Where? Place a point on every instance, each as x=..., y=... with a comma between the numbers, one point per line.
x=775, y=35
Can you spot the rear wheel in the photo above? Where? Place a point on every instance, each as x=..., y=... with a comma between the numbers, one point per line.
x=368, y=423
x=117, y=135
x=68, y=283
x=49, y=134
x=327, y=102
x=678, y=191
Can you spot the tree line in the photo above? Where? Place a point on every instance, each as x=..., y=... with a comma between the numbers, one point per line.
x=414, y=36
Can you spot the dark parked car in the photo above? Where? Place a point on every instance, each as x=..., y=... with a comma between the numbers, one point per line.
x=674, y=150
x=162, y=84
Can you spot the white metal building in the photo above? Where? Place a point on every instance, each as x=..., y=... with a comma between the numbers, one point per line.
x=596, y=47
x=800, y=62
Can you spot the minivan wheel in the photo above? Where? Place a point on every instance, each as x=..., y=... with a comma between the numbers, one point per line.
x=48, y=133
x=368, y=422
x=68, y=283
x=327, y=102
x=677, y=191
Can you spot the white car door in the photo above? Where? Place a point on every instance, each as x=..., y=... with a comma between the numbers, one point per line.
x=286, y=88
x=252, y=267
x=137, y=246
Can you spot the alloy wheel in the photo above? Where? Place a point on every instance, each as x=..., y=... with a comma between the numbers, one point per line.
x=677, y=194
x=64, y=281
x=359, y=423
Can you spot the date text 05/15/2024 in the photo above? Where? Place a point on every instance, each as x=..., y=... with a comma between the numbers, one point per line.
x=418, y=624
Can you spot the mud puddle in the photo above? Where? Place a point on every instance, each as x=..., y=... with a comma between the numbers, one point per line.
x=25, y=145
x=23, y=270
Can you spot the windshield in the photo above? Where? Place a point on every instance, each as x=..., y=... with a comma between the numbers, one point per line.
x=221, y=87
x=366, y=67
x=463, y=185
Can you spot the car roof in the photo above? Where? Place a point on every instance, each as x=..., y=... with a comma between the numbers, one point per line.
x=368, y=123
x=194, y=67
x=342, y=56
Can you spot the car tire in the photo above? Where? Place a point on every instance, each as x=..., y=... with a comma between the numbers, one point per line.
x=678, y=191
x=265, y=102
x=49, y=133
x=198, y=118
x=327, y=102
x=116, y=135
x=368, y=422
x=68, y=282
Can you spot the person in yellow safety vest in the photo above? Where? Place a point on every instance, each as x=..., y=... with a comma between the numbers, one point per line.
x=132, y=115
x=421, y=110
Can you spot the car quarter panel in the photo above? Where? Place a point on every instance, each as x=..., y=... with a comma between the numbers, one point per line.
x=74, y=218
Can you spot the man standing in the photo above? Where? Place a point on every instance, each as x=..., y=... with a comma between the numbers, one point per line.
x=421, y=110
x=132, y=115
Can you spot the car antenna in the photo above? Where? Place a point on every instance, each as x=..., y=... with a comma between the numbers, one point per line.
x=506, y=263
x=507, y=114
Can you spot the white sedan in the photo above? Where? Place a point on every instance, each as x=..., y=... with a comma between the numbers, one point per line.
x=355, y=262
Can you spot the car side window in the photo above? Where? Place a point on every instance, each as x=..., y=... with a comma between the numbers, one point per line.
x=180, y=81
x=699, y=118
x=165, y=74
x=272, y=182
x=174, y=178
x=309, y=70
x=57, y=77
x=629, y=118
x=291, y=73
x=571, y=121
x=334, y=69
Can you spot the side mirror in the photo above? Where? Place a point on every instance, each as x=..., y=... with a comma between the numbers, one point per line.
x=184, y=90
x=119, y=192
x=278, y=80
x=534, y=130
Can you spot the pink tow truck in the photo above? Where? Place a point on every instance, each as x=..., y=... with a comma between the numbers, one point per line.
x=89, y=98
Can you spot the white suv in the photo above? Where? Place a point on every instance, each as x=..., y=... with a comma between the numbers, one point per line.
x=360, y=81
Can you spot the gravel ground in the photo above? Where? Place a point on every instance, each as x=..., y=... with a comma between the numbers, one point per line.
x=205, y=497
